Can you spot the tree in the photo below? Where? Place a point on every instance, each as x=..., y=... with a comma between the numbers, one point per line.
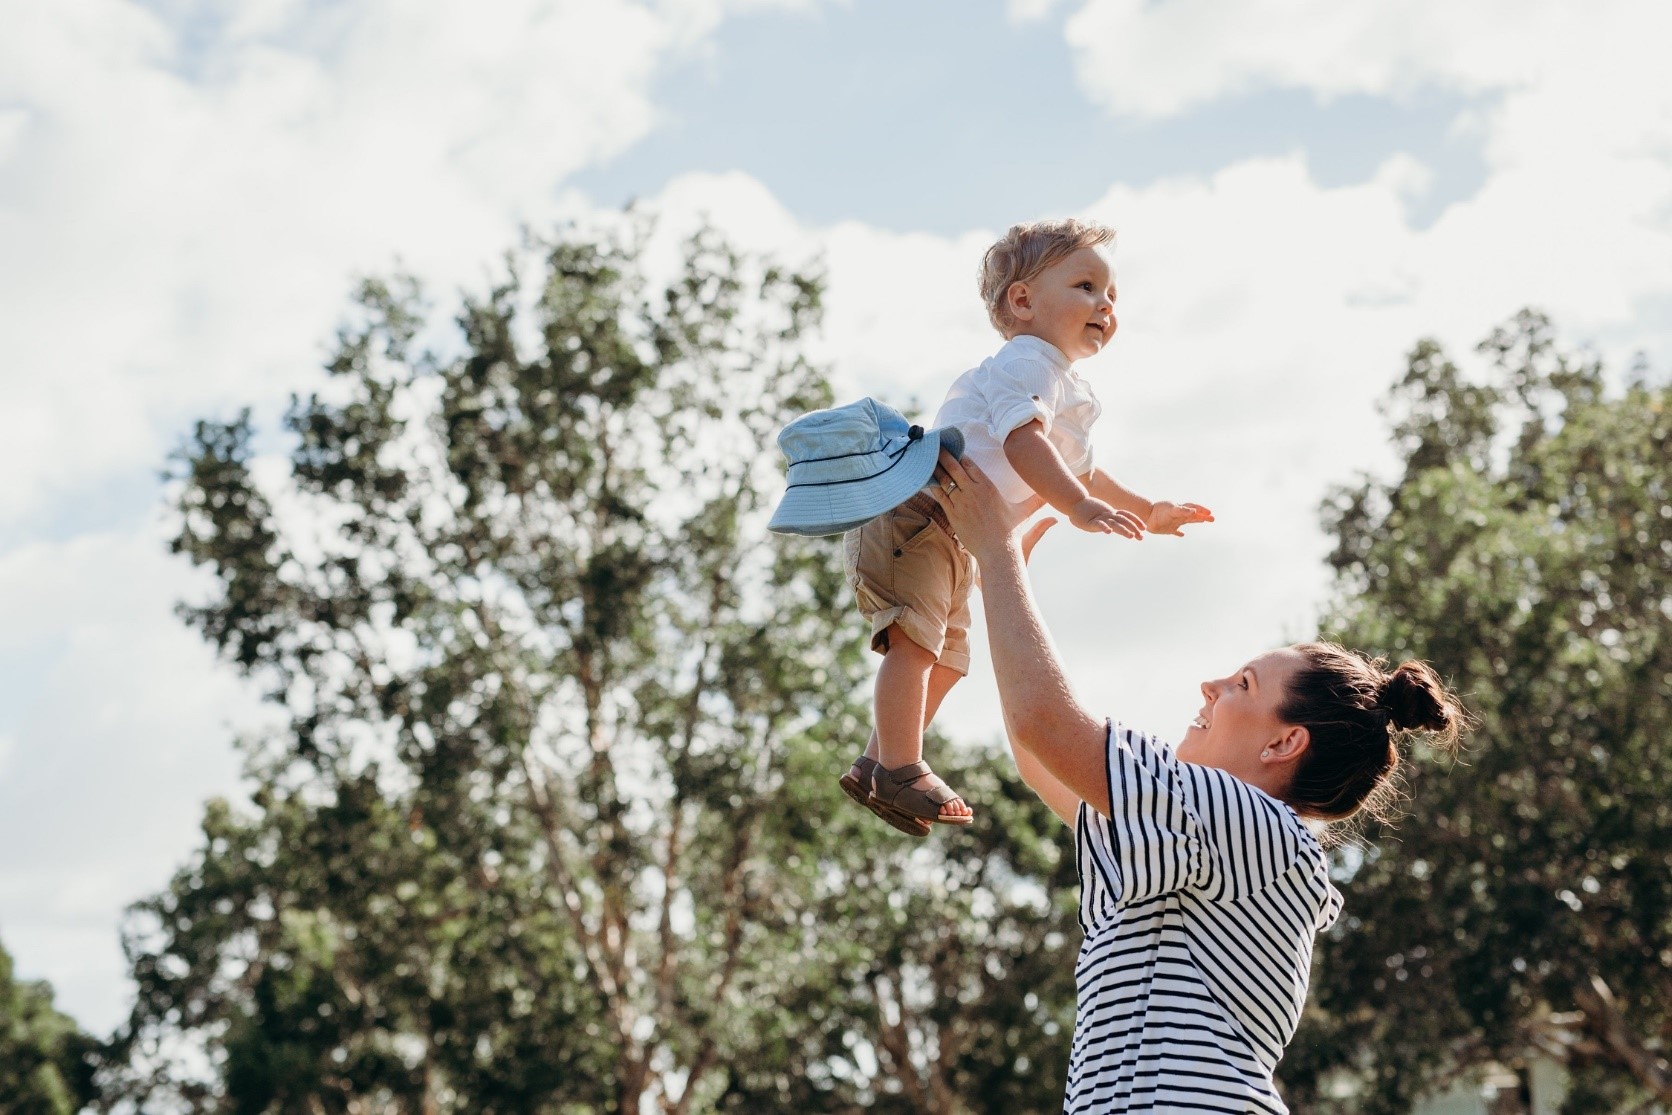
x=46, y=1061
x=1525, y=906
x=553, y=825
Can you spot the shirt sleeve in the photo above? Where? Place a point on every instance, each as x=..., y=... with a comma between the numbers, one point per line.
x=1019, y=391
x=1176, y=826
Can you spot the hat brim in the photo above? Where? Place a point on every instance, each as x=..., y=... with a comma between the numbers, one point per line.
x=819, y=509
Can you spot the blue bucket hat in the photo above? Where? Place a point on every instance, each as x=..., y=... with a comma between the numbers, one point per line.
x=849, y=464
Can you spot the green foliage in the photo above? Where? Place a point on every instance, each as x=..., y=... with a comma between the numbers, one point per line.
x=553, y=825
x=46, y=1062
x=1526, y=904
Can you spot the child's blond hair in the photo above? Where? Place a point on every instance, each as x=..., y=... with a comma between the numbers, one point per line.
x=1024, y=252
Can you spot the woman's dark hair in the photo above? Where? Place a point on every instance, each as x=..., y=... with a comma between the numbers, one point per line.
x=1358, y=715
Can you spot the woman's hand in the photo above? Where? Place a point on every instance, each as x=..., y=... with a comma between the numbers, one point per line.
x=980, y=516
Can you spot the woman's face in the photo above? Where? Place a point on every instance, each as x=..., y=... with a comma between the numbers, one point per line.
x=1239, y=719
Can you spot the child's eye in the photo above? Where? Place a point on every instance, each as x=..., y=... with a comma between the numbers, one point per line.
x=1086, y=287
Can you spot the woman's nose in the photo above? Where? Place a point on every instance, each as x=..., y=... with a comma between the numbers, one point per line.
x=1208, y=690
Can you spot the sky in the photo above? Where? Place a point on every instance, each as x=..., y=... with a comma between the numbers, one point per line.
x=189, y=190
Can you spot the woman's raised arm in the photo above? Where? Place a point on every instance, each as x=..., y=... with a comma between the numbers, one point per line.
x=1042, y=715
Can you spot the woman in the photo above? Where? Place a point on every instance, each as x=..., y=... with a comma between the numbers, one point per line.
x=1202, y=887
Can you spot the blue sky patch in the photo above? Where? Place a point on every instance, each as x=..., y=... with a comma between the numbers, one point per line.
x=900, y=117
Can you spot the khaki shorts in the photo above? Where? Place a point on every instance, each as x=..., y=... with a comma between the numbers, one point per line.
x=906, y=569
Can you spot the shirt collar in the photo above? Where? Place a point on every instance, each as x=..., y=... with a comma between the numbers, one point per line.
x=1035, y=346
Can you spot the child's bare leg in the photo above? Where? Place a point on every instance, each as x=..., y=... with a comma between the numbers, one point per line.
x=941, y=681
x=910, y=688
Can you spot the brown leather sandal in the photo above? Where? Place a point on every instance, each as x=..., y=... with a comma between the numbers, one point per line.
x=892, y=790
x=856, y=783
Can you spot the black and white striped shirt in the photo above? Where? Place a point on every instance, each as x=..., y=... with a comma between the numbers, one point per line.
x=1200, y=898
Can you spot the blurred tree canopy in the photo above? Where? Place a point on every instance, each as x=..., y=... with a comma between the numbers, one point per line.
x=553, y=824
x=1525, y=906
x=46, y=1062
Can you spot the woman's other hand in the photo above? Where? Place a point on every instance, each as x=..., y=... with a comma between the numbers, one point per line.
x=1034, y=534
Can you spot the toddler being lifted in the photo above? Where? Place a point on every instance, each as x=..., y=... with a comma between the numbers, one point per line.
x=1025, y=418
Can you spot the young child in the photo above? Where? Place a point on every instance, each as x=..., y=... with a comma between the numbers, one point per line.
x=1026, y=417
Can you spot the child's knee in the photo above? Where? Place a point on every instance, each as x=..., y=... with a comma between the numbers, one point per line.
x=898, y=645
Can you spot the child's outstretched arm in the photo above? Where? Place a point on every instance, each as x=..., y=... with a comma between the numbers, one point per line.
x=1038, y=463
x=1160, y=517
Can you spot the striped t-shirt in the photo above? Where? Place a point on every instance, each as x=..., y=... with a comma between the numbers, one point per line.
x=1200, y=897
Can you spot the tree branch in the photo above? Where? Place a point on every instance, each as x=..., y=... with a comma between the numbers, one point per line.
x=562, y=878
x=895, y=1045
x=1609, y=1026
x=664, y=927
x=704, y=1059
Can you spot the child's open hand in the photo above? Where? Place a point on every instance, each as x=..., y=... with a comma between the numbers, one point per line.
x=1167, y=517
x=1100, y=518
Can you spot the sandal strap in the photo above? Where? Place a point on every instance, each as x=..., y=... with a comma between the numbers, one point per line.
x=940, y=794
x=906, y=775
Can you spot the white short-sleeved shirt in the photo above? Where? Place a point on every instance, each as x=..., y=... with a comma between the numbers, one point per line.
x=1025, y=379
x=1200, y=898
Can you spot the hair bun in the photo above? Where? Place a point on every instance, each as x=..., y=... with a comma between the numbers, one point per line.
x=1414, y=698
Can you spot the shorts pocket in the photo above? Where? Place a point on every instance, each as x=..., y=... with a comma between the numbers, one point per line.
x=911, y=530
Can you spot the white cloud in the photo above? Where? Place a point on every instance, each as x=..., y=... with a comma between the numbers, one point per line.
x=1575, y=97
x=1155, y=60
x=120, y=722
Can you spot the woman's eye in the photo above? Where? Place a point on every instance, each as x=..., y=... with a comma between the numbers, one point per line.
x=1243, y=681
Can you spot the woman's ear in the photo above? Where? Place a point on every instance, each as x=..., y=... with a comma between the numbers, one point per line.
x=1019, y=300
x=1289, y=746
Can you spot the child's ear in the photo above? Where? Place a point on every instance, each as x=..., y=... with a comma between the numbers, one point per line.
x=1020, y=300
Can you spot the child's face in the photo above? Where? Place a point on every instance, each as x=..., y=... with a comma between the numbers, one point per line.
x=1071, y=304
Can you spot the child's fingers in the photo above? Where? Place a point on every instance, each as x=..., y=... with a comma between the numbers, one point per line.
x=1124, y=524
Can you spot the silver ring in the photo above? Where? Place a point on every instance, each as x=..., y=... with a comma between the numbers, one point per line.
x=951, y=486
